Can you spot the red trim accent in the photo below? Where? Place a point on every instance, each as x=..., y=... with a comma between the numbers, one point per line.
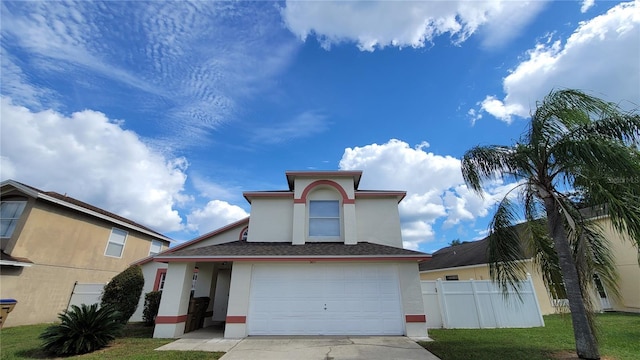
x=293, y=259
x=171, y=319
x=236, y=319
x=242, y=232
x=305, y=193
x=415, y=318
x=156, y=283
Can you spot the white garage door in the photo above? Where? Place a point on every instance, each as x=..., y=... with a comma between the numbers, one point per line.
x=325, y=299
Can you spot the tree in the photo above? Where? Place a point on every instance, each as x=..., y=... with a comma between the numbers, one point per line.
x=123, y=292
x=576, y=146
x=455, y=242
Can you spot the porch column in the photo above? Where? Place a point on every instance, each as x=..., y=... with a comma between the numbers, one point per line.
x=174, y=304
x=236, y=322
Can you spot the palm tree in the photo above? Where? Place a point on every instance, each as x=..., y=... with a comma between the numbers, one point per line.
x=576, y=147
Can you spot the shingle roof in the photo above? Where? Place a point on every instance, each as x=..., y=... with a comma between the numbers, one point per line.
x=82, y=204
x=248, y=250
x=465, y=254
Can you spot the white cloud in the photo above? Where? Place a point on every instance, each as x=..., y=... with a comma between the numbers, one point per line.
x=600, y=57
x=377, y=24
x=434, y=185
x=91, y=158
x=214, y=215
x=586, y=5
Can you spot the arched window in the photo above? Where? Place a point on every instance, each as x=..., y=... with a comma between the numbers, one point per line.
x=244, y=234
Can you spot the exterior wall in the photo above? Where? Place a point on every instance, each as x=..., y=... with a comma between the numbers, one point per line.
x=238, y=309
x=265, y=212
x=378, y=221
x=481, y=272
x=301, y=183
x=626, y=257
x=149, y=270
x=65, y=246
x=230, y=235
x=412, y=303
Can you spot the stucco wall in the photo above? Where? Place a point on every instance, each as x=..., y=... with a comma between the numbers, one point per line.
x=378, y=221
x=271, y=220
x=65, y=246
x=626, y=257
x=149, y=271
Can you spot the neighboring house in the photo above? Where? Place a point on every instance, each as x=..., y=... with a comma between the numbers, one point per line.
x=51, y=241
x=469, y=261
x=321, y=258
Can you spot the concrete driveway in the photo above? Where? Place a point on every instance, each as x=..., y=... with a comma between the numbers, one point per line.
x=309, y=348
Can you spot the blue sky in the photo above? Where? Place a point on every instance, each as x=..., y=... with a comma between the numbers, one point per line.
x=165, y=112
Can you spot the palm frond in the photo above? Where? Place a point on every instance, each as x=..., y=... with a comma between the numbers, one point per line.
x=486, y=162
x=504, y=249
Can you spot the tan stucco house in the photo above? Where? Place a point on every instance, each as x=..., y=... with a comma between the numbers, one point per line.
x=319, y=258
x=51, y=241
x=469, y=261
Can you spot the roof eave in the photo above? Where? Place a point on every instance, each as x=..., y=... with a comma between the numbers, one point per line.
x=272, y=258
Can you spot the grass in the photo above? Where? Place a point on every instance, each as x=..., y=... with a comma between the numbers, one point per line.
x=619, y=334
x=135, y=343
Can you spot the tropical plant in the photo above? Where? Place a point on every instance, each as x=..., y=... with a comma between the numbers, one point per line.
x=123, y=292
x=151, y=306
x=81, y=330
x=576, y=147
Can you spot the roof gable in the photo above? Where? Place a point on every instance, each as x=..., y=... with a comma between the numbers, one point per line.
x=77, y=205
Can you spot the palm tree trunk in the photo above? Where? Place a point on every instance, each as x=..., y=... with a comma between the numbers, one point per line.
x=586, y=344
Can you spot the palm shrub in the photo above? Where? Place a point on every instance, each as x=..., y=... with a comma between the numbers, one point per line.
x=123, y=292
x=151, y=306
x=81, y=330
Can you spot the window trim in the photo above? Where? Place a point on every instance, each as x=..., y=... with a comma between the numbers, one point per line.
x=161, y=277
x=13, y=220
x=151, y=247
x=124, y=241
x=336, y=218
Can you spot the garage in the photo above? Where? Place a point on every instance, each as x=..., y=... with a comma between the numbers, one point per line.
x=325, y=299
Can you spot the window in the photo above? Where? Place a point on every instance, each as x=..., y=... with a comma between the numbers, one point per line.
x=245, y=234
x=161, y=276
x=156, y=247
x=451, y=277
x=10, y=212
x=115, y=246
x=324, y=218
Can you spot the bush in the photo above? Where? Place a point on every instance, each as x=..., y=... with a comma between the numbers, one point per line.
x=123, y=292
x=151, y=306
x=81, y=330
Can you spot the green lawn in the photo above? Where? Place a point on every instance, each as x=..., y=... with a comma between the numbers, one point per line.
x=135, y=343
x=619, y=340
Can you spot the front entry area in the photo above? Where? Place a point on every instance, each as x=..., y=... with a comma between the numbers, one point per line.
x=325, y=299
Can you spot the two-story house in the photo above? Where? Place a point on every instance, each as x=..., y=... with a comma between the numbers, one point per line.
x=320, y=258
x=51, y=241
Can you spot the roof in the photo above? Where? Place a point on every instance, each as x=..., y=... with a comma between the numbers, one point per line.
x=77, y=205
x=194, y=241
x=6, y=259
x=274, y=251
x=465, y=254
x=355, y=174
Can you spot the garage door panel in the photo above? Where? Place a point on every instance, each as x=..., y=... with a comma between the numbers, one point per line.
x=325, y=299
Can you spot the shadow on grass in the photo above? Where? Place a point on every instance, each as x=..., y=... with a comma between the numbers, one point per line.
x=33, y=353
x=464, y=350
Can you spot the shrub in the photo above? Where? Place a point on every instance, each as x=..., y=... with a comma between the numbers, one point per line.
x=151, y=306
x=123, y=292
x=81, y=330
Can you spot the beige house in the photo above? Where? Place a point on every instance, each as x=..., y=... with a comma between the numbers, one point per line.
x=319, y=258
x=51, y=241
x=469, y=261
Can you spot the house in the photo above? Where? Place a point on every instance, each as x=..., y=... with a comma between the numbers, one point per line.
x=51, y=241
x=469, y=261
x=320, y=258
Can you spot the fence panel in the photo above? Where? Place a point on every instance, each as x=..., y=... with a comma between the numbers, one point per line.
x=477, y=304
x=85, y=294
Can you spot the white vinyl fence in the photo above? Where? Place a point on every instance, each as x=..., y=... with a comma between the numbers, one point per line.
x=475, y=304
x=85, y=294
